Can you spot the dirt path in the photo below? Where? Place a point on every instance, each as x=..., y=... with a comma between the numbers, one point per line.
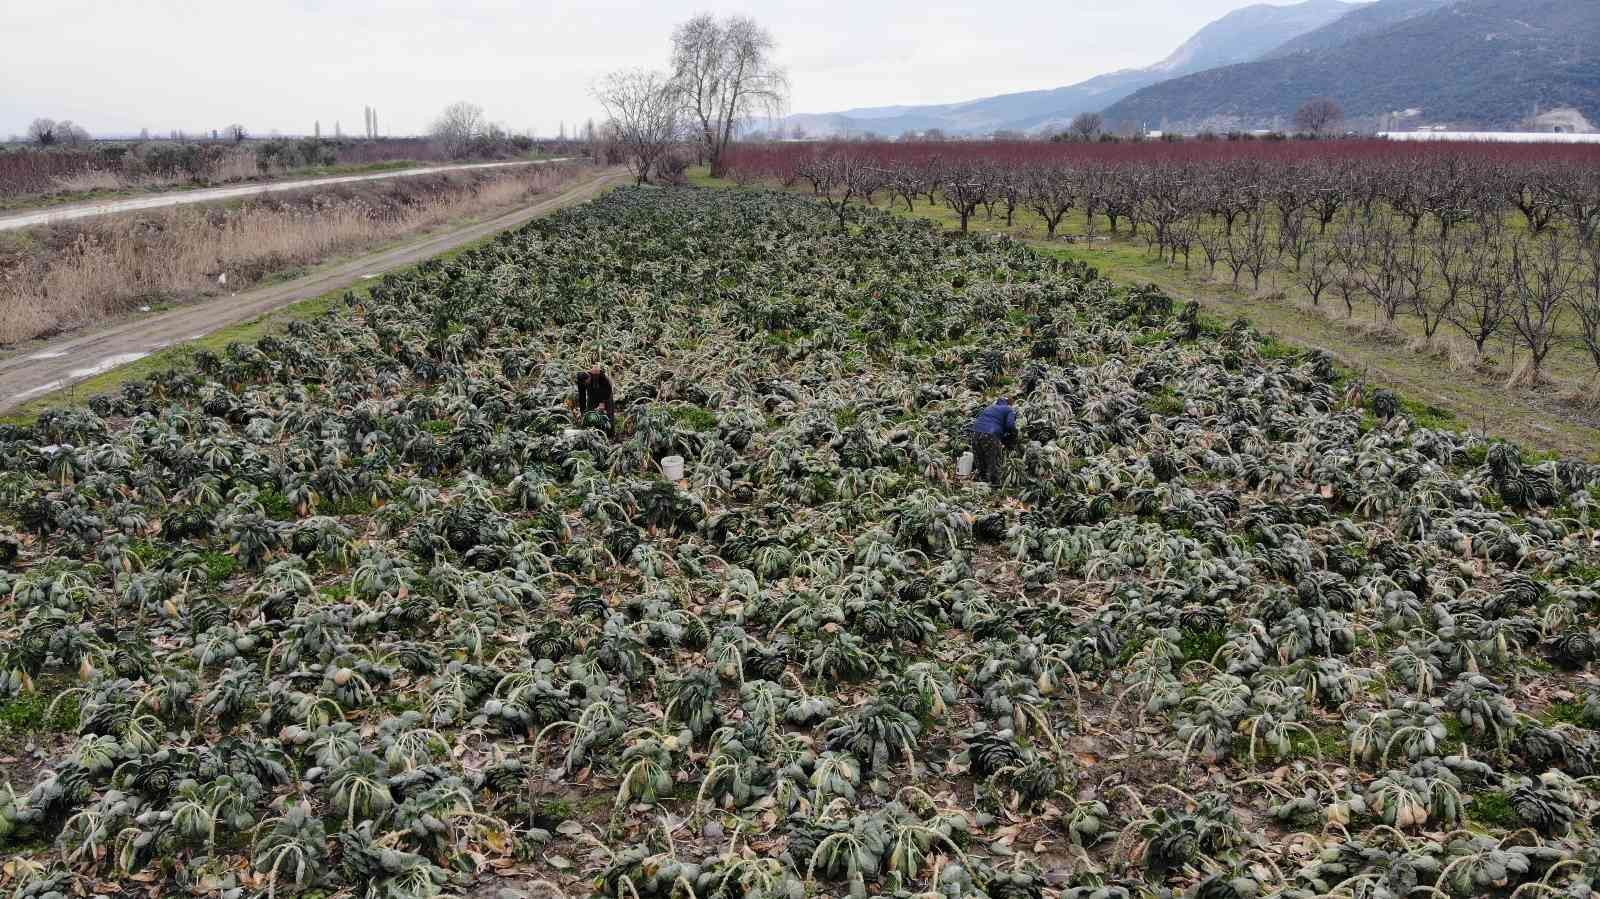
x=59, y=364
x=213, y=194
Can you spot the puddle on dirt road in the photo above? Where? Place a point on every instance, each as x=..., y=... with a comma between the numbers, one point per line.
x=42, y=388
x=106, y=364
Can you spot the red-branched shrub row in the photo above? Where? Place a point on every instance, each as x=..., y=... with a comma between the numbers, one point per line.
x=786, y=162
x=782, y=160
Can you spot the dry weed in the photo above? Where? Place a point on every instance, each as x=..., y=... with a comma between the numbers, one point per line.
x=115, y=264
x=82, y=182
x=1583, y=397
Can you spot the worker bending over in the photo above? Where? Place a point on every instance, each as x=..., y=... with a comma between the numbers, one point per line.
x=994, y=431
x=595, y=392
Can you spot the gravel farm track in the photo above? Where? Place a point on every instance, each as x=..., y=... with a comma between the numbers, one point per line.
x=52, y=215
x=45, y=368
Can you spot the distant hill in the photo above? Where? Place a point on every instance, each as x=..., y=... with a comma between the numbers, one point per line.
x=1467, y=64
x=1359, y=23
x=1240, y=36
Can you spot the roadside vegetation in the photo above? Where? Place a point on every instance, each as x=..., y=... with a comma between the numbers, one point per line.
x=75, y=274
x=33, y=175
x=368, y=609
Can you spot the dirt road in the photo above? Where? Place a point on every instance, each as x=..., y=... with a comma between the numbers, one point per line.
x=213, y=194
x=53, y=366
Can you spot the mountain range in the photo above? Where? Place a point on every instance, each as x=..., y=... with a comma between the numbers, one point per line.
x=1466, y=64
x=1239, y=36
x=1389, y=63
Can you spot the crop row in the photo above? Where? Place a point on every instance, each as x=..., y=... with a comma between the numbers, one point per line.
x=369, y=609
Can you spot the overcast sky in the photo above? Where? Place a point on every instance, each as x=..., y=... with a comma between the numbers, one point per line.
x=115, y=66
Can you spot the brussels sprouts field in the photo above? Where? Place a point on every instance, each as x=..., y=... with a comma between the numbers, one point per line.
x=366, y=609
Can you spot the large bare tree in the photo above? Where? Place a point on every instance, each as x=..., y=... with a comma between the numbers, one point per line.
x=725, y=73
x=643, y=110
x=1318, y=115
x=1087, y=126
x=458, y=126
x=42, y=132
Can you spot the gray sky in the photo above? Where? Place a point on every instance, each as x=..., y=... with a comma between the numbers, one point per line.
x=115, y=66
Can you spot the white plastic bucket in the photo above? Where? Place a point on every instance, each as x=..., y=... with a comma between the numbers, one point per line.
x=672, y=468
x=964, y=465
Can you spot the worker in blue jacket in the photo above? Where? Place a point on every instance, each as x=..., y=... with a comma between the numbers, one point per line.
x=994, y=431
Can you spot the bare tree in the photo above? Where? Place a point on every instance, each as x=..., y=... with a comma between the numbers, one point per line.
x=1235, y=254
x=643, y=110
x=1317, y=273
x=724, y=73
x=458, y=126
x=1213, y=243
x=69, y=134
x=1094, y=183
x=1118, y=198
x=907, y=182
x=1577, y=195
x=1087, y=126
x=1291, y=196
x=42, y=132
x=1586, y=301
x=1181, y=238
x=1427, y=267
x=1329, y=192
x=236, y=133
x=1484, y=303
x=1008, y=189
x=1169, y=197
x=1052, y=191
x=1529, y=190
x=1542, y=276
x=965, y=188
x=1295, y=238
x=1318, y=115
x=838, y=179
x=1251, y=251
x=1380, y=268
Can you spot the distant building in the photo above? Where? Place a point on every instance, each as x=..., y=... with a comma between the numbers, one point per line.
x=1493, y=137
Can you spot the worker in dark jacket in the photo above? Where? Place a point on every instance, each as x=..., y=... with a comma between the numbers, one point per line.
x=595, y=392
x=992, y=433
